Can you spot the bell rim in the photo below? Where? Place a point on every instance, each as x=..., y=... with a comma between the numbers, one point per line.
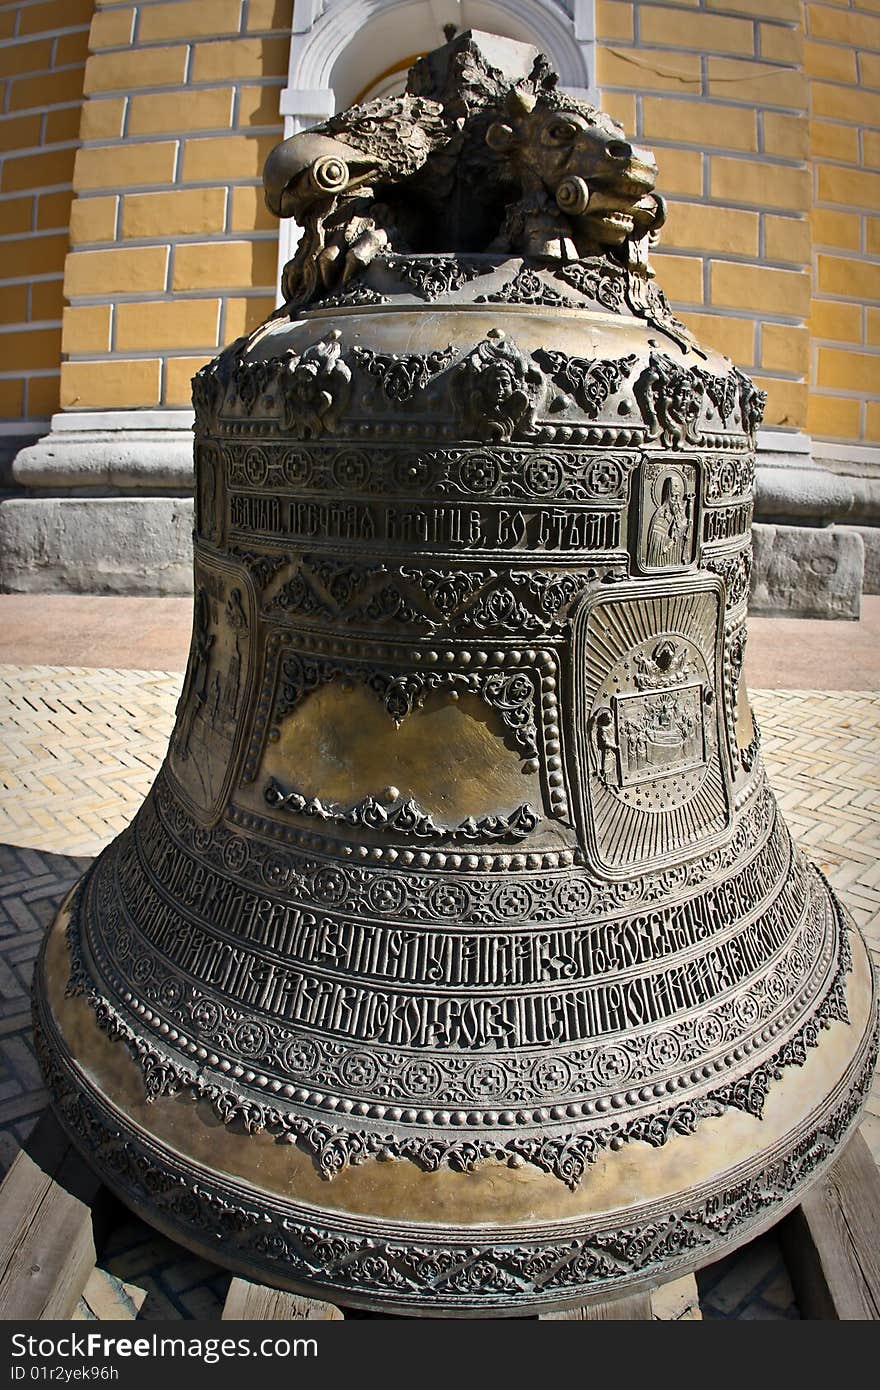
x=835, y=1117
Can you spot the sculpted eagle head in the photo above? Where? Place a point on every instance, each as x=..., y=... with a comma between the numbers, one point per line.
x=379, y=142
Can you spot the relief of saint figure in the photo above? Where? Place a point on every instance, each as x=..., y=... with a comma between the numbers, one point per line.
x=604, y=746
x=668, y=541
x=235, y=617
x=197, y=693
x=208, y=498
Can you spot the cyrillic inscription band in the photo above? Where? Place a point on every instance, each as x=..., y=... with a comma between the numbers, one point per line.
x=501, y=955
x=352, y=1007
x=447, y=526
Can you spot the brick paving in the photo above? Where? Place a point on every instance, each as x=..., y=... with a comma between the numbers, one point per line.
x=32, y=882
x=751, y=1284
x=79, y=748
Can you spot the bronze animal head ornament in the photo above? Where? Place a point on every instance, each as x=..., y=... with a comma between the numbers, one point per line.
x=459, y=961
x=566, y=150
x=578, y=185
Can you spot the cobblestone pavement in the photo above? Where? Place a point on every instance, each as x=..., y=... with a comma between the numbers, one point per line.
x=79, y=749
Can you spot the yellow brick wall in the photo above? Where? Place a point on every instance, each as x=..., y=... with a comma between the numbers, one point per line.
x=764, y=114
x=716, y=88
x=172, y=250
x=42, y=58
x=843, y=64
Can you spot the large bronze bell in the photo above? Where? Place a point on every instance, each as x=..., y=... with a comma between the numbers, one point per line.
x=459, y=961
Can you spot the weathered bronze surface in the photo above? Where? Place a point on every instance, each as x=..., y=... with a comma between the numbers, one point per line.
x=459, y=960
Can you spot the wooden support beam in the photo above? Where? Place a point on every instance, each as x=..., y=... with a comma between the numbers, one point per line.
x=108, y=1299
x=47, y=1240
x=634, y=1308
x=831, y=1243
x=677, y=1301
x=255, y=1302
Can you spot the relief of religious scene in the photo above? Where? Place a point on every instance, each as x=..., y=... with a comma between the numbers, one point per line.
x=662, y=733
x=658, y=729
x=210, y=708
x=647, y=720
x=668, y=530
x=208, y=492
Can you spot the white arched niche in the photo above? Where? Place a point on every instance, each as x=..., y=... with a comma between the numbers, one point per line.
x=342, y=51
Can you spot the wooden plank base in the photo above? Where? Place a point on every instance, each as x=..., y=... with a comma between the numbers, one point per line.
x=107, y=1299
x=677, y=1301
x=831, y=1242
x=246, y=1301
x=47, y=1238
x=635, y=1308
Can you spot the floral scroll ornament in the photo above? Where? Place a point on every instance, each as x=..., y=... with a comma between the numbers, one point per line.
x=498, y=390
x=592, y=383
x=393, y=812
x=250, y=382
x=433, y=276
x=316, y=389
x=403, y=375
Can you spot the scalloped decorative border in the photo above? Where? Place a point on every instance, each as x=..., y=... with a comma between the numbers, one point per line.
x=364, y=1263
x=566, y=1157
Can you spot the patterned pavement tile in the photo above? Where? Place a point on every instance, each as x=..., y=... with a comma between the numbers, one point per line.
x=32, y=882
x=822, y=750
x=79, y=749
x=752, y=1283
